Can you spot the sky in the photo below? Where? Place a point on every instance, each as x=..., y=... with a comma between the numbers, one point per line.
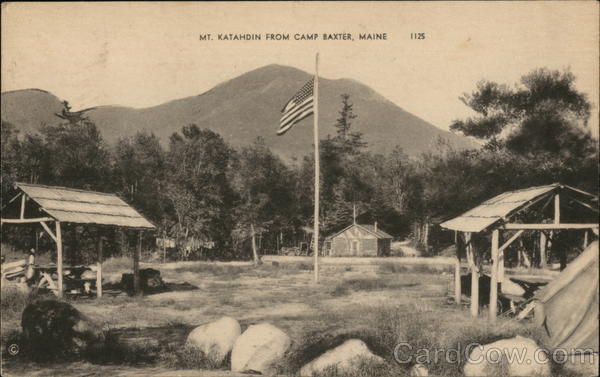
x=145, y=54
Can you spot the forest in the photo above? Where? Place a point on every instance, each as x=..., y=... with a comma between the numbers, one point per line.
x=196, y=185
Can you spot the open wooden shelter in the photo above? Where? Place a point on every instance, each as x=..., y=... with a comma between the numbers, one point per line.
x=59, y=205
x=498, y=216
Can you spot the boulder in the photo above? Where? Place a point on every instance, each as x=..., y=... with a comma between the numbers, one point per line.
x=344, y=358
x=516, y=356
x=215, y=339
x=259, y=348
x=55, y=328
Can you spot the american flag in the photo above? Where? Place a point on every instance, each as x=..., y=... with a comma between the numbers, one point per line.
x=297, y=108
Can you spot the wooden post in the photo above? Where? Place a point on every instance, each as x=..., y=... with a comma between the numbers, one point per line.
x=457, y=287
x=494, y=284
x=543, y=257
x=59, y=259
x=254, y=252
x=164, y=246
x=99, y=269
x=426, y=236
x=557, y=209
x=280, y=240
x=474, y=276
x=501, y=267
x=22, y=214
x=457, y=284
x=136, y=265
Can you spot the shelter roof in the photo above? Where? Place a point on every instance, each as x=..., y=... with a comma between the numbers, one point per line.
x=84, y=207
x=503, y=206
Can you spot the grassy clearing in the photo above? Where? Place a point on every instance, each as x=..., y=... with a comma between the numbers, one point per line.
x=394, y=267
x=383, y=306
x=230, y=272
x=116, y=265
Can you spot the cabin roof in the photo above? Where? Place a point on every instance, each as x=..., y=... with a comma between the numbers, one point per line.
x=367, y=227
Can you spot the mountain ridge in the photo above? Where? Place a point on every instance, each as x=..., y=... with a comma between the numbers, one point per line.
x=247, y=106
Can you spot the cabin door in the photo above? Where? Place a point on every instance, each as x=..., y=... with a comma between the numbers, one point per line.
x=354, y=247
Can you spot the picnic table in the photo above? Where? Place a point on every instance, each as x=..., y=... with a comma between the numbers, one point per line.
x=77, y=279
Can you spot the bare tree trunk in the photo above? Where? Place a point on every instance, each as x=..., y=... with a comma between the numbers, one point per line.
x=254, y=252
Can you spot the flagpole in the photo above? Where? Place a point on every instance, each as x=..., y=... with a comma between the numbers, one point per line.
x=317, y=168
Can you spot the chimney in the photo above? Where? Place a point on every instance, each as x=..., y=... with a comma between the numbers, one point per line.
x=353, y=213
x=376, y=226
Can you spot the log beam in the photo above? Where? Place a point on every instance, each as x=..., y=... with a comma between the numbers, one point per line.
x=585, y=205
x=26, y=221
x=514, y=226
x=510, y=240
x=47, y=229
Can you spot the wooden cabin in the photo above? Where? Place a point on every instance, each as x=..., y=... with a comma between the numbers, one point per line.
x=358, y=240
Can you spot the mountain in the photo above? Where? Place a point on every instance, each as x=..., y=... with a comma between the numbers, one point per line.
x=28, y=109
x=246, y=107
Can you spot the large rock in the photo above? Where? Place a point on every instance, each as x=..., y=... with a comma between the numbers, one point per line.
x=344, y=358
x=516, y=356
x=57, y=328
x=215, y=339
x=259, y=348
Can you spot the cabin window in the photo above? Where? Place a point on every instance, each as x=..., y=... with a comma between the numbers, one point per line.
x=355, y=246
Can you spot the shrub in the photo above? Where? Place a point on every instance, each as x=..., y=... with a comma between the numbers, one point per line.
x=189, y=358
x=364, y=368
x=14, y=300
